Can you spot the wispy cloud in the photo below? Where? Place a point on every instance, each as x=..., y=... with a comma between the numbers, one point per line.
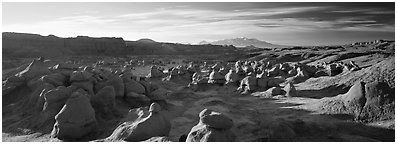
x=187, y=23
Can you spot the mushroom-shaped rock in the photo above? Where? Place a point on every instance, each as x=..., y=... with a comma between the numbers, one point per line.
x=249, y=83
x=290, y=90
x=301, y=75
x=213, y=127
x=76, y=119
x=216, y=78
x=156, y=124
x=231, y=77
x=215, y=119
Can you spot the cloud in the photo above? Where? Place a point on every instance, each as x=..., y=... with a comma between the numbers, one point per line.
x=188, y=23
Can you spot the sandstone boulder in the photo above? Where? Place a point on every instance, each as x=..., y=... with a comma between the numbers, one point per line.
x=159, y=94
x=215, y=119
x=85, y=85
x=134, y=86
x=212, y=127
x=292, y=72
x=155, y=72
x=114, y=81
x=231, y=77
x=290, y=90
x=354, y=99
x=105, y=97
x=249, y=83
x=334, y=69
x=216, y=78
x=76, y=119
x=137, y=100
x=127, y=77
x=379, y=104
x=56, y=98
x=301, y=75
x=275, y=71
x=263, y=82
x=143, y=128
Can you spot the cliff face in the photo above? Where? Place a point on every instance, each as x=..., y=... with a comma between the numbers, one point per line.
x=33, y=45
x=145, y=48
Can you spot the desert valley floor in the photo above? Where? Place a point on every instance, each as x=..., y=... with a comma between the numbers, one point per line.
x=326, y=94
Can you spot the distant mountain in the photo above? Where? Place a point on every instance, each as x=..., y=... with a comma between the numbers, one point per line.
x=203, y=43
x=243, y=42
x=145, y=40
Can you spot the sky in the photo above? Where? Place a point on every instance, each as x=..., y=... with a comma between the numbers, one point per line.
x=286, y=23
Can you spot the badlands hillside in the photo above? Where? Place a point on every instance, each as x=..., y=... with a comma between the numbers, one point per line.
x=28, y=45
x=107, y=90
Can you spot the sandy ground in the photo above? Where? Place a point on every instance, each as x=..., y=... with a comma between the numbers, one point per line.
x=252, y=116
